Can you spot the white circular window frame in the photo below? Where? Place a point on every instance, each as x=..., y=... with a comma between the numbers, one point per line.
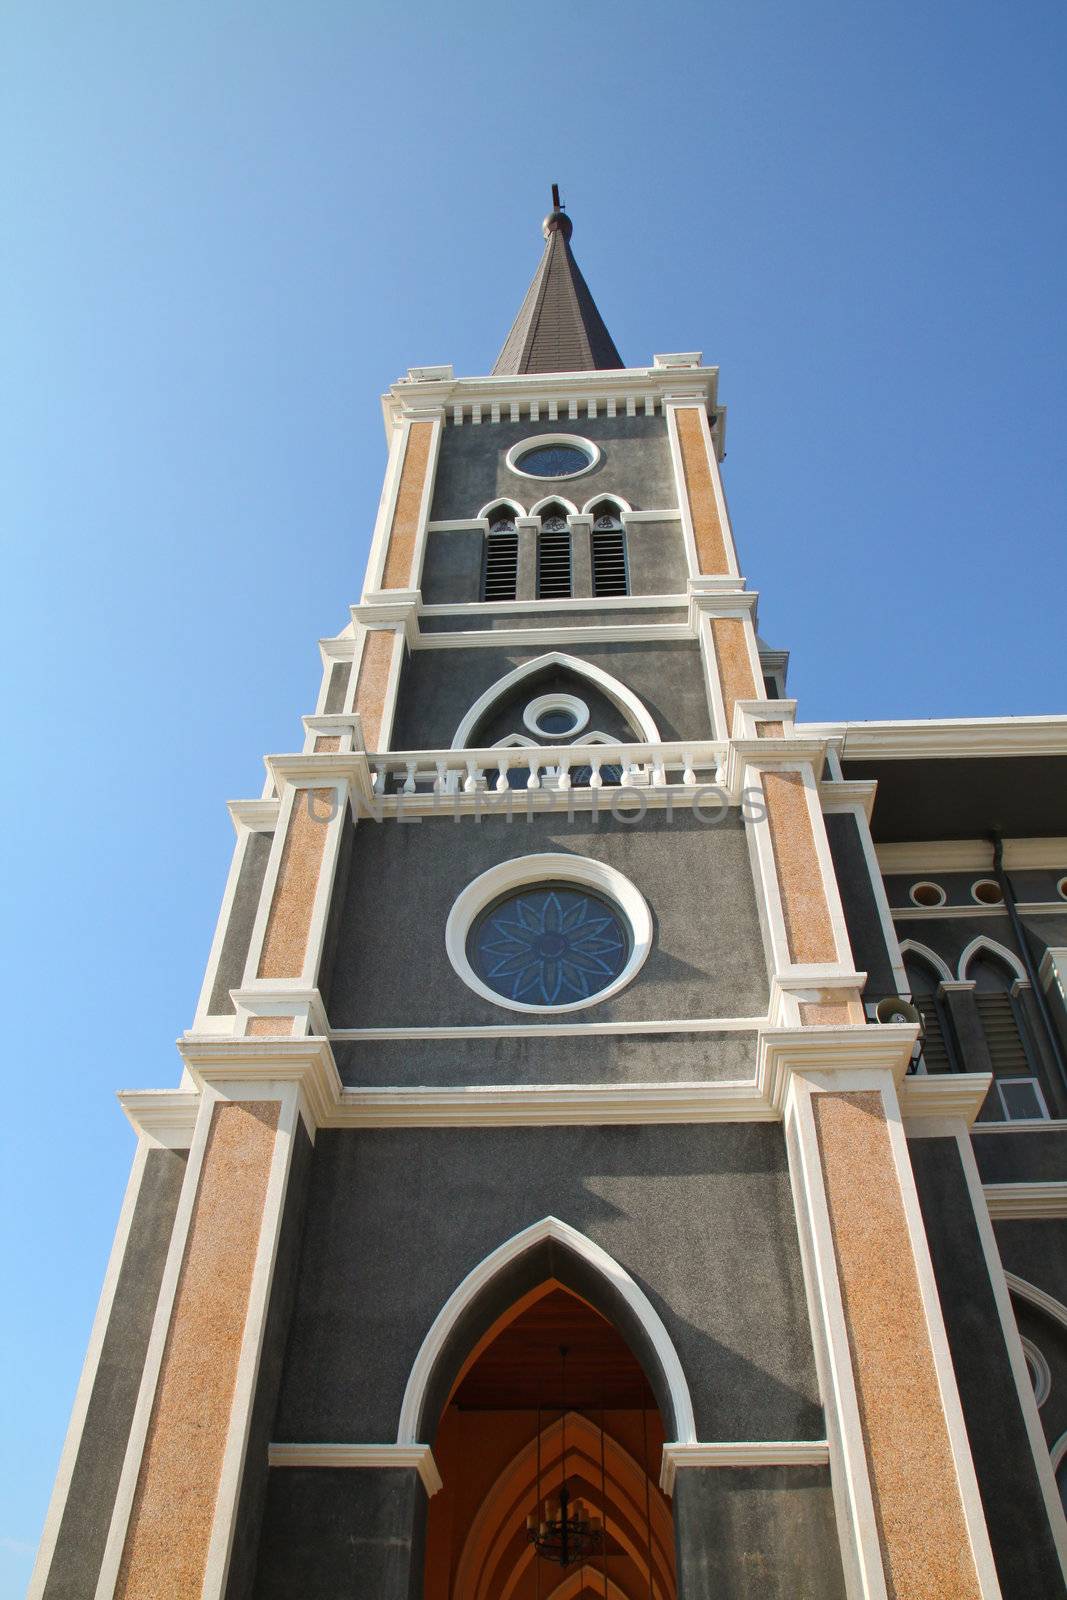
x=541, y=441
x=1061, y=888
x=928, y=905
x=986, y=883
x=556, y=702
x=545, y=868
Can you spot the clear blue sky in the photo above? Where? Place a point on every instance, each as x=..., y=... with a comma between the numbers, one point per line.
x=230, y=226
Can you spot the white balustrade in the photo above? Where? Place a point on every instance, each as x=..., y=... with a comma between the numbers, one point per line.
x=547, y=768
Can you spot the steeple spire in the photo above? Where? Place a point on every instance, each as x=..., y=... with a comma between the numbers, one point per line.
x=558, y=328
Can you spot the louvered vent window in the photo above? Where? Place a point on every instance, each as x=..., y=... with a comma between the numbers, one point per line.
x=1001, y=1028
x=554, y=559
x=935, y=1047
x=609, y=557
x=501, y=570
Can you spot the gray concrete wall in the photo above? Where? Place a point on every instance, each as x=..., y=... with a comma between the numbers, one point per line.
x=87, y=1516
x=333, y=1534
x=436, y=691
x=764, y=1533
x=700, y=1215
x=238, y=935
x=390, y=968
x=1023, y=1548
x=865, y=933
x=635, y=462
x=613, y=1058
x=493, y=621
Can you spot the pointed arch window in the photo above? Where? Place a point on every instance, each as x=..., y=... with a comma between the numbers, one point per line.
x=608, y=552
x=554, y=577
x=924, y=982
x=500, y=565
x=1017, y=1086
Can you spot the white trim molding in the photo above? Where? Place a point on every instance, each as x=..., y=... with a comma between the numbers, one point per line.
x=1008, y=1200
x=463, y=1296
x=983, y=942
x=1037, y=1297
x=742, y=1453
x=931, y=957
x=616, y=691
x=544, y=868
x=419, y=1456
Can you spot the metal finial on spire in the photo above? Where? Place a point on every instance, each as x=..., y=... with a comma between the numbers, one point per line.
x=558, y=328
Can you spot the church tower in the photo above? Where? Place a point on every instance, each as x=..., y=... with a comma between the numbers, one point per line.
x=576, y=1186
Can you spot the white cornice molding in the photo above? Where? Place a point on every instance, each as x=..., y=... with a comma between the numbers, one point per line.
x=1032, y=908
x=390, y=608
x=405, y=397
x=1026, y=1199
x=552, y=1105
x=258, y=816
x=309, y=1062
x=838, y=796
x=535, y=1030
x=970, y=855
x=945, y=737
x=859, y=1047
x=165, y=1117
x=419, y=1456
x=741, y=1453
x=953, y=1096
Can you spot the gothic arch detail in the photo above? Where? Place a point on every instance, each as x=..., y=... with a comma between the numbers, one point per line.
x=627, y=702
x=501, y=504
x=923, y=953
x=597, y=1268
x=615, y=500
x=554, y=500
x=983, y=942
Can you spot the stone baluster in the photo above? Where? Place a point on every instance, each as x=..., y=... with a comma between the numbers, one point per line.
x=409, y=781
x=502, y=774
x=689, y=777
x=534, y=781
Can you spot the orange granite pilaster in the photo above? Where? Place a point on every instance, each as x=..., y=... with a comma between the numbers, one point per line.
x=735, y=667
x=400, y=552
x=922, y=1527
x=169, y=1532
x=809, y=931
x=372, y=684
x=289, y=919
x=708, y=532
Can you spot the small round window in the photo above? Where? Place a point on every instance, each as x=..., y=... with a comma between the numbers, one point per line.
x=987, y=892
x=549, y=945
x=556, y=716
x=561, y=455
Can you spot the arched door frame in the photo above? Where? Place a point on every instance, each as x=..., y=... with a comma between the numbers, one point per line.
x=549, y=1248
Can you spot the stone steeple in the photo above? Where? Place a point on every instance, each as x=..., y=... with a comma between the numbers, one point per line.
x=558, y=328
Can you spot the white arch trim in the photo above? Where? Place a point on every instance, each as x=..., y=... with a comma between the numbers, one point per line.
x=501, y=505
x=620, y=696
x=483, y=1274
x=554, y=500
x=1058, y=1451
x=982, y=942
x=931, y=957
x=615, y=500
x=1037, y=1297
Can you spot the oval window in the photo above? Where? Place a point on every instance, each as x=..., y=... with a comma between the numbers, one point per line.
x=552, y=455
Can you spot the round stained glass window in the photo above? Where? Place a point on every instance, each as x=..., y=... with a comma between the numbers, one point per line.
x=554, y=461
x=549, y=945
x=552, y=455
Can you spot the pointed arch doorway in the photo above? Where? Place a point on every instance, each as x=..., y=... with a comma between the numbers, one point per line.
x=518, y=1422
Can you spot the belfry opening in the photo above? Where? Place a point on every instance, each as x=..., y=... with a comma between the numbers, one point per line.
x=548, y=1448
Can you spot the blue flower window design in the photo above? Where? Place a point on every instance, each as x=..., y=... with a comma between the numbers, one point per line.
x=554, y=461
x=549, y=946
